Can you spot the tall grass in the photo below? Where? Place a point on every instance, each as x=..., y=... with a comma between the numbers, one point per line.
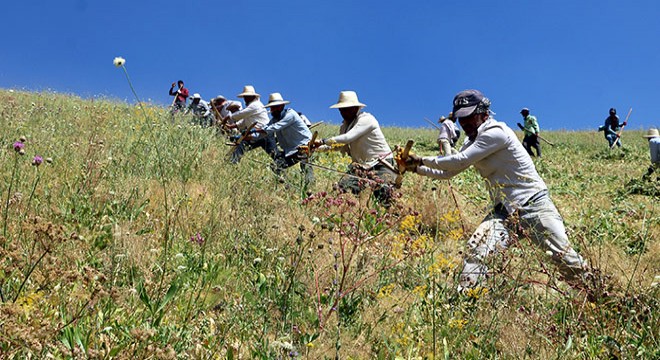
x=251, y=269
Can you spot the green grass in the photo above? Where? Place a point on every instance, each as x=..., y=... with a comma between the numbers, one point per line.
x=97, y=259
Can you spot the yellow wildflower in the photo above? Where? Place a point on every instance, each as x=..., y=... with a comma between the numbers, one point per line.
x=421, y=243
x=451, y=217
x=477, y=292
x=457, y=323
x=441, y=265
x=386, y=290
x=455, y=234
x=398, y=246
x=409, y=223
x=420, y=291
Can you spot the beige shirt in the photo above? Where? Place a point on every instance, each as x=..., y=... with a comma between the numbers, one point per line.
x=255, y=112
x=364, y=140
x=500, y=158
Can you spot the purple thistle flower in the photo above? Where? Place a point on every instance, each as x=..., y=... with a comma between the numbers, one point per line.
x=18, y=146
x=197, y=239
x=37, y=160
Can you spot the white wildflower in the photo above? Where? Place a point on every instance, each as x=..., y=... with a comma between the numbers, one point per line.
x=119, y=61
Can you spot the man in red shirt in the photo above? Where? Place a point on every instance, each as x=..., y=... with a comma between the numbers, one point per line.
x=180, y=97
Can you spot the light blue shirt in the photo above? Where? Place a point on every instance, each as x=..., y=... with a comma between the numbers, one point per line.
x=290, y=131
x=654, y=147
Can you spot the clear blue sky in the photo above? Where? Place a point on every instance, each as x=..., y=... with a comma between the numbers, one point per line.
x=569, y=61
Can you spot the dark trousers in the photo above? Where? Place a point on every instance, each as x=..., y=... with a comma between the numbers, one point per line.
x=265, y=142
x=532, y=141
x=382, y=180
x=282, y=162
x=177, y=106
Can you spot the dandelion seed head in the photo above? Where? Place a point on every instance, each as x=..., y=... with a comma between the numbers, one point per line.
x=119, y=61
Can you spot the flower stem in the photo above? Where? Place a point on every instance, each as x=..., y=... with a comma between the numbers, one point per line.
x=11, y=183
x=34, y=187
x=163, y=183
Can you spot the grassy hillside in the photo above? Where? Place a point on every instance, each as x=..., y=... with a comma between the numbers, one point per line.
x=136, y=239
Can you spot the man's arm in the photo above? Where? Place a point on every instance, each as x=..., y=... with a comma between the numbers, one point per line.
x=486, y=143
x=287, y=121
x=207, y=109
x=360, y=129
x=535, y=126
x=239, y=117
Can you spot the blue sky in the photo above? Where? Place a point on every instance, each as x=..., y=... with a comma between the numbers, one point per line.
x=568, y=61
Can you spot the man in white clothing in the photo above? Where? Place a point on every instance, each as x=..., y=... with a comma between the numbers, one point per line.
x=201, y=111
x=518, y=193
x=363, y=140
x=446, y=136
x=253, y=117
x=223, y=107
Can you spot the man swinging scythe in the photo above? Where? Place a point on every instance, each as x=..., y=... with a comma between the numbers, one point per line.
x=363, y=140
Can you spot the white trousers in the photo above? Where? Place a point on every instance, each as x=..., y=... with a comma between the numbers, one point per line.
x=541, y=220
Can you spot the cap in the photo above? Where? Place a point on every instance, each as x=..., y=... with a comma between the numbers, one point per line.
x=467, y=101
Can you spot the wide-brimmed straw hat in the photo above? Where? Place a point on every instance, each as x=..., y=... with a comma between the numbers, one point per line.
x=347, y=99
x=652, y=133
x=275, y=99
x=248, y=90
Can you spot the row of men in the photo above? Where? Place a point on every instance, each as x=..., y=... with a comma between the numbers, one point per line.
x=515, y=187
x=207, y=113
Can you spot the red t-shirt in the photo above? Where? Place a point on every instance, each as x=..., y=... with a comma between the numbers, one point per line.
x=183, y=95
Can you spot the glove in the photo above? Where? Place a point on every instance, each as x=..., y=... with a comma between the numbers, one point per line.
x=412, y=162
x=625, y=123
x=520, y=126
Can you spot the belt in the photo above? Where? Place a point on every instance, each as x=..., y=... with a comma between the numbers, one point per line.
x=500, y=209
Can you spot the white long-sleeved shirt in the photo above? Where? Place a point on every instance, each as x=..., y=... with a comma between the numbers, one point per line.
x=254, y=112
x=200, y=109
x=500, y=158
x=223, y=109
x=447, y=131
x=364, y=140
x=654, y=147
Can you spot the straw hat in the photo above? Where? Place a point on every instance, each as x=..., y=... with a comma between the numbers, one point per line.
x=347, y=99
x=275, y=99
x=248, y=90
x=652, y=133
x=196, y=96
